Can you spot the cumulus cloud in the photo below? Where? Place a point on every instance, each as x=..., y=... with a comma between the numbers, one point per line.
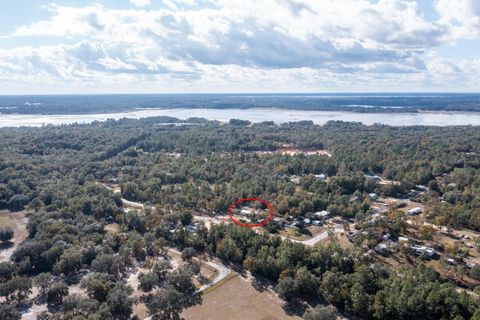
x=140, y=3
x=463, y=16
x=316, y=44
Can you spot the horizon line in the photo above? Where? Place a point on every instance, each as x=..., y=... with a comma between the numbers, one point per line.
x=242, y=93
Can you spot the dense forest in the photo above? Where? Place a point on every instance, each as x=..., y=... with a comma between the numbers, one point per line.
x=182, y=168
x=364, y=103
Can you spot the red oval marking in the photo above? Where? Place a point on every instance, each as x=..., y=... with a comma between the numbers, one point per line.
x=251, y=225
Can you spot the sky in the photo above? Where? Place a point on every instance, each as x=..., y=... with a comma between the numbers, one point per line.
x=206, y=46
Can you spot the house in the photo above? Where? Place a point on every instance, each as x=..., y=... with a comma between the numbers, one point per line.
x=295, y=179
x=469, y=245
x=422, y=187
x=291, y=225
x=351, y=235
x=322, y=214
x=113, y=180
x=320, y=176
x=316, y=222
x=414, y=211
x=423, y=250
x=386, y=236
x=402, y=239
x=279, y=221
x=306, y=221
x=191, y=228
x=377, y=216
x=383, y=249
x=246, y=211
x=372, y=177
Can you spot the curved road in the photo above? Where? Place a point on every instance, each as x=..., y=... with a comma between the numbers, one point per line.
x=319, y=237
x=310, y=242
x=222, y=271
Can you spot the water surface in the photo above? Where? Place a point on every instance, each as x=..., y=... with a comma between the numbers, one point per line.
x=254, y=115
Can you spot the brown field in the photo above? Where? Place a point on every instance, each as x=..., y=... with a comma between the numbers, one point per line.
x=112, y=228
x=237, y=299
x=18, y=222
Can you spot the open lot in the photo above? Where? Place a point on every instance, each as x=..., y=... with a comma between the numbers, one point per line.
x=18, y=222
x=238, y=299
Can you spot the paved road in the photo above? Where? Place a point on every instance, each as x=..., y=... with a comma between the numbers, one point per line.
x=210, y=220
x=126, y=202
x=132, y=204
x=222, y=271
x=312, y=241
x=319, y=237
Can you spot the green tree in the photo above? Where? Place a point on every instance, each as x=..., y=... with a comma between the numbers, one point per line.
x=166, y=304
x=6, y=234
x=98, y=285
x=74, y=305
x=320, y=313
x=7, y=270
x=56, y=293
x=147, y=281
x=43, y=281
x=188, y=253
x=120, y=302
x=9, y=312
x=286, y=289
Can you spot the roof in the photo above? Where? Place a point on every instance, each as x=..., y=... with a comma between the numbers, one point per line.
x=323, y=213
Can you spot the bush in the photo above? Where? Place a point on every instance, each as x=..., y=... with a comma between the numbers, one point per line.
x=6, y=234
x=17, y=202
x=320, y=313
x=56, y=293
x=8, y=312
x=7, y=270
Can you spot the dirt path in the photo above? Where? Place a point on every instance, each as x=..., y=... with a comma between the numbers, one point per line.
x=319, y=237
x=18, y=221
x=222, y=271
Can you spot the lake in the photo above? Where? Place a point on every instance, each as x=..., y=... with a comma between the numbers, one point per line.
x=254, y=115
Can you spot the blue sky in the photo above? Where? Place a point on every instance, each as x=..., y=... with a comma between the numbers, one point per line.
x=165, y=46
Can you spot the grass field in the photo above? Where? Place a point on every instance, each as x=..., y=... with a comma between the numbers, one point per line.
x=5, y=219
x=237, y=299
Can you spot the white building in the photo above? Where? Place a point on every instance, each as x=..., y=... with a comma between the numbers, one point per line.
x=295, y=179
x=246, y=211
x=422, y=249
x=414, y=211
x=322, y=214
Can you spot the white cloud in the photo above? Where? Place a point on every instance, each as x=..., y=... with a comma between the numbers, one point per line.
x=305, y=45
x=463, y=16
x=140, y=3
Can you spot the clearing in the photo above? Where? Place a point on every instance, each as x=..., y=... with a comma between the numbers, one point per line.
x=18, y=222
x=238, y=299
